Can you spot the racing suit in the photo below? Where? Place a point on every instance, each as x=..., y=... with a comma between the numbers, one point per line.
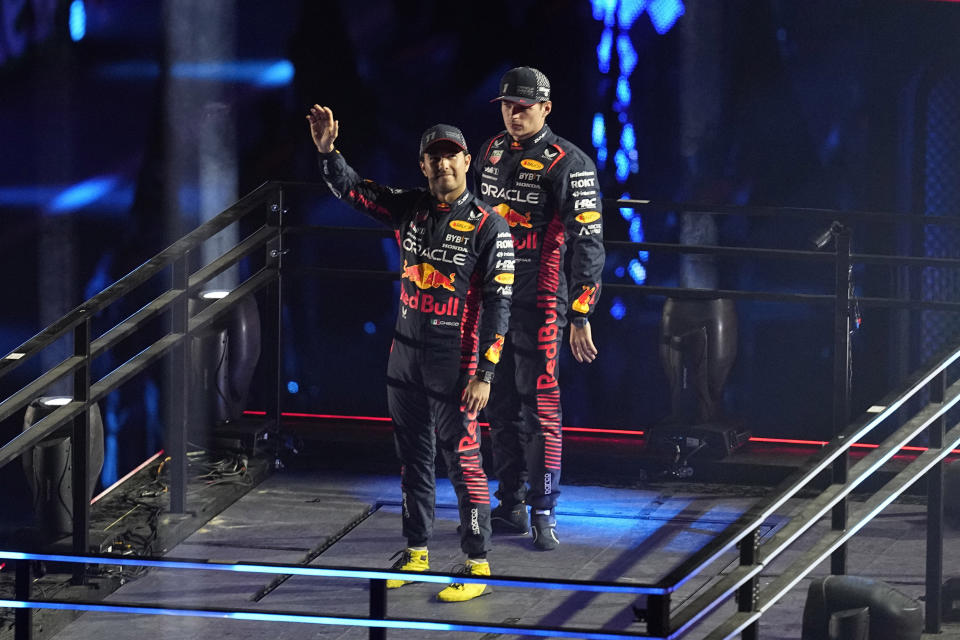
x=455, y=288
x=546, y=189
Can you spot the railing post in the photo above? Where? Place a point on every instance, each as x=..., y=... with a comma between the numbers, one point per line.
x=275, y=253
x=747, y=594
x=841, y=383
x=23, y=618
x=378, y=607
x=934, y=595
x=658, y=615
x=80, y=449
x=179, y=388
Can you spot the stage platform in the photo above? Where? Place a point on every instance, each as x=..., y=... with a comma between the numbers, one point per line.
x=616, y=522
x=329, y=516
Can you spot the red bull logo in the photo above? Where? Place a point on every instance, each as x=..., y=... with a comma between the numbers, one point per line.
x=512, y=217
x=426, y=276
x=526, y=241
x=425, y=303
x=584, y=300
x=492, y=353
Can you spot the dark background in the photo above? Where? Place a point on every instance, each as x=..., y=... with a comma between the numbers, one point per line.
x=849, y=105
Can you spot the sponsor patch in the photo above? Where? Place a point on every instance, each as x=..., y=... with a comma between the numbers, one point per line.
x=585, y=218
x=493, y=352
x=533, y=165
x=461, y=225
x=504, y=278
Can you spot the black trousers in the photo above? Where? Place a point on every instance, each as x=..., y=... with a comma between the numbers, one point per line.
x=423, y=395
x=524, y=408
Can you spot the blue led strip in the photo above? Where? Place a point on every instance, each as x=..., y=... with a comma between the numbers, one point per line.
x=350, y=621
x=618, y=17
x=348, y=572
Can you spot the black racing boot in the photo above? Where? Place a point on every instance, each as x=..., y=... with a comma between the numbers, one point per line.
x=510, y=519
x=544, y=525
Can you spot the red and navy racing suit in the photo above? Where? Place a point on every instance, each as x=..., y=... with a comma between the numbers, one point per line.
x=546, y=189
x=455, y=288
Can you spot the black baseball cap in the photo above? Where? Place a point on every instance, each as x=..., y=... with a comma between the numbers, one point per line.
x=439, y=132
x=524, y=85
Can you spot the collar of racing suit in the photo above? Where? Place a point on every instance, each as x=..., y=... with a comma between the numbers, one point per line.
x=538, y=139
x=443, y=208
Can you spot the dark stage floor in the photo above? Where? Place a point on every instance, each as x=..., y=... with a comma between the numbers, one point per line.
x=338, y=518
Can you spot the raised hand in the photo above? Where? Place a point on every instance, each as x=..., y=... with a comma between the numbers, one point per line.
x=323, y=128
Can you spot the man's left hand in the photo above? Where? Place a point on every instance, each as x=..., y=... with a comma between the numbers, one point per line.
x=581, y=343
x=475, y=395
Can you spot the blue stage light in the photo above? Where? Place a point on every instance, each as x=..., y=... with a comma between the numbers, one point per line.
x=664, y=14
x=604, y=50
x=277, y=74
x=617, y=309
x=629, y=11
x=602, y=157
x=623, y=165
x=27, y=196
x=369, y=327
x=604, y=11
x=82, y=194
x=636, y=230
x=599, y=132
x=628, y=55
x=78, y=20
x=628, y=139
x=293, y=387
x=637, y=271
x=623, y=91
x=620, y=271
x=627, y=213
x=259, y=73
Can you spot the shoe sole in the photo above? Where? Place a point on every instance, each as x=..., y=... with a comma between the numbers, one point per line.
x=487, y=591
x=505, y=526
x=552, y=542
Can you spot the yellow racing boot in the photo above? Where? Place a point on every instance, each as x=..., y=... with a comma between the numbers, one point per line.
x=461, y=592
x=412, y=560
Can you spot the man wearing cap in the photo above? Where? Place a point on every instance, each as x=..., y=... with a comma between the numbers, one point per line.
x=455, y=288
x=546, y=189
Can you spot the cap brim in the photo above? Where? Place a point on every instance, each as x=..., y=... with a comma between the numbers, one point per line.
x=436, y=140
x=524, y=101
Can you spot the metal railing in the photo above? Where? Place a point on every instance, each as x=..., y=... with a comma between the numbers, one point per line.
x=663, y=620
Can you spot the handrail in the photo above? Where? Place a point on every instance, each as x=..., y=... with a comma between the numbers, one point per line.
x=815, y=465
x=665, y=206
x=135, y=278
